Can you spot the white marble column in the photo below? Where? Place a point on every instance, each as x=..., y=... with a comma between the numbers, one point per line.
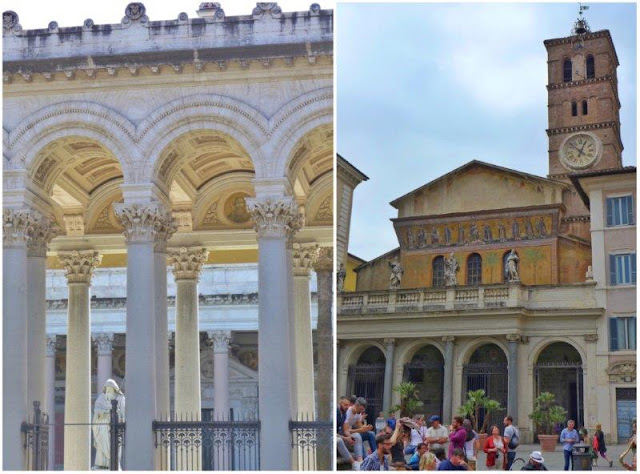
x=220, y=340
x=447, y=389
x=274, y=218
x=41, y=233
x=512, y=376
x=50, y=397
x=187, y=263
x=162, y=321
x=78, y=266
x=15, y=225
x=104, y=348
x=301, y=338
x=141, y=223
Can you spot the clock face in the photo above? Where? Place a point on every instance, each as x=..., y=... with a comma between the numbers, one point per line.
x=580, y=151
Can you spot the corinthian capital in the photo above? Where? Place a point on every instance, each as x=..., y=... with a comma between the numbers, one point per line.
x=274, y=217
x=220, y=340
x=143, y=223
x=79, y=266
x=16, y=226
x=41, y=234
x=514, y=337
x=323, y=260
x=187, y=262
x=51, y=346
x=303, y=258
x=104, y=343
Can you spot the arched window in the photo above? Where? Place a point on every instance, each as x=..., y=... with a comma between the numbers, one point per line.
x=591, y=67
x=574, y=108
x=438, y=272
x=474, y=269
x=567, y=70
x=585, y=107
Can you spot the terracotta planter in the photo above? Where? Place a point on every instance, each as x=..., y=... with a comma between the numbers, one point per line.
x=548, y=443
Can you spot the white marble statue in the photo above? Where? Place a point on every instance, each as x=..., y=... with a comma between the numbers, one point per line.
x=397, y=271
x=101, y=419
x=451, y=267
x=341, y=275
x=511, y=267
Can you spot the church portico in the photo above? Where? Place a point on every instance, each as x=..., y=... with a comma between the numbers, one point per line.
x=177, y=175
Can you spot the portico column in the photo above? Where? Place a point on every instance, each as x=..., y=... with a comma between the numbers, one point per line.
x=390, y=344
x=512, y=397
x=187, y=263
x=141, y=223
x=50, y=397
x=40, y=234
x=78, y=266
x=447, y=392
x=301, y=338
x=162, y=320
x=104, y=346
x=15, y=225
x=274, y=217
x=221, y=340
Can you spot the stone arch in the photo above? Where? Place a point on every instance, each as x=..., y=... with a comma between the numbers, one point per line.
x=407, y=351
x=321, y=194
x=466, y=349
x=203, y=111
x=94, y=121
x=355, y=350
x=294, y=120
x=535, y=352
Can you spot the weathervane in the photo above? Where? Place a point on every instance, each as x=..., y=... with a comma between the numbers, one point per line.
x=581, y=26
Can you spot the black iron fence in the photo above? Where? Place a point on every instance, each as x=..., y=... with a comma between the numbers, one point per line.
x=312, y=443
x=208, y=445
x=36, y=439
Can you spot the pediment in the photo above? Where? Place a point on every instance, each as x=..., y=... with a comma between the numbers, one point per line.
x=479, y=186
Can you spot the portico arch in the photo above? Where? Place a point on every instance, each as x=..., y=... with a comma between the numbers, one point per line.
x=425, y=368
x=366, y=378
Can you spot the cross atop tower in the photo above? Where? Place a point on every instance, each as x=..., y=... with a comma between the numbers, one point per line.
x=581, y=26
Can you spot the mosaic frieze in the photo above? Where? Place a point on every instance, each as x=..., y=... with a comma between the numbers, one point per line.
x=474, y=232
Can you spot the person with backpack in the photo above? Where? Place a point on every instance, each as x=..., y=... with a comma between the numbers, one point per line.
x=599, y=445
x=511, y=440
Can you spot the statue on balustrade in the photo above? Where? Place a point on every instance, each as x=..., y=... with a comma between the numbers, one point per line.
x=341, y=275
x=397, y=271
x=451, y=267
x=511, y=267
x=100, y=424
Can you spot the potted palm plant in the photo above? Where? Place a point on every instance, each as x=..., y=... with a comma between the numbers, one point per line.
x=478, y=400
x=545, y=415
x=409, y=401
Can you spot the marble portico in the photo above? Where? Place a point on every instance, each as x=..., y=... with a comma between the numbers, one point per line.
x=137, y=163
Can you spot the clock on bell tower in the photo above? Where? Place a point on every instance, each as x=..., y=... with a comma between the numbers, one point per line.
x=584, y=109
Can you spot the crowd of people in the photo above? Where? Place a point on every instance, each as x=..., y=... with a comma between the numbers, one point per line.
x=413, y=443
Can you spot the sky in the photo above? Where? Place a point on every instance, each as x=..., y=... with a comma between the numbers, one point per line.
x=425, y=88
x=38, y=13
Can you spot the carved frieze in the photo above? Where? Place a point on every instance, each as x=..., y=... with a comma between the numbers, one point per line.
x=267, y=8
x=622, y=372
x=187, y=262
x=79, y=265
x=325, y=211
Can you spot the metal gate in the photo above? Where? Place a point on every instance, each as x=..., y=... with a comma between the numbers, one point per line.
x=565, y=381
x=428, y=376
x=36, y=440
x=493, y=379
x=368, y=381
x=626, y=412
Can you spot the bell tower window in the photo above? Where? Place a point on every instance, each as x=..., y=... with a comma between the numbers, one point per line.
x=591, y=67
x=567, y=70
x=574, y=109
x=585, y=107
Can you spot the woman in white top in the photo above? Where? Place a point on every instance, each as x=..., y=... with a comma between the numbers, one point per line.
x=471, y=445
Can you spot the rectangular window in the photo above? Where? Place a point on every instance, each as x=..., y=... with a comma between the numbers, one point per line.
x=622, y=269
x=620, y=211
x=622, y=334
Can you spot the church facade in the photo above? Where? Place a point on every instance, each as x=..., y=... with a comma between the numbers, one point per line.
x=509, y=282
x=168, y=192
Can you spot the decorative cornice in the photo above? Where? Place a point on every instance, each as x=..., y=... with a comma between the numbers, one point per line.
x=51, y=346
x=576, y=219
x=16, y=226
x=303, y=258
x=323, y=260
x=79, y=265
x=187, y=262
x=581, y=82
x=104, y=343
x=274, y=217
x=143, y=223
x=41, y=234
x=220, y=340
x=583, y=127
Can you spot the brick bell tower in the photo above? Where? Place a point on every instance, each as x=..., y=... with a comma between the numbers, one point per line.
x=584, y=113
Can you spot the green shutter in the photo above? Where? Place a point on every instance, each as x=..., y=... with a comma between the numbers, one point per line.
x=613, y=334
x=612, y=270
x=609, y=211
x=630, y=219
x=633, y=267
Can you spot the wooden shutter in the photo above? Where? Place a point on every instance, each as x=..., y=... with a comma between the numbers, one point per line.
x=609, y=211
x=612, y=270
x=613, y=334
